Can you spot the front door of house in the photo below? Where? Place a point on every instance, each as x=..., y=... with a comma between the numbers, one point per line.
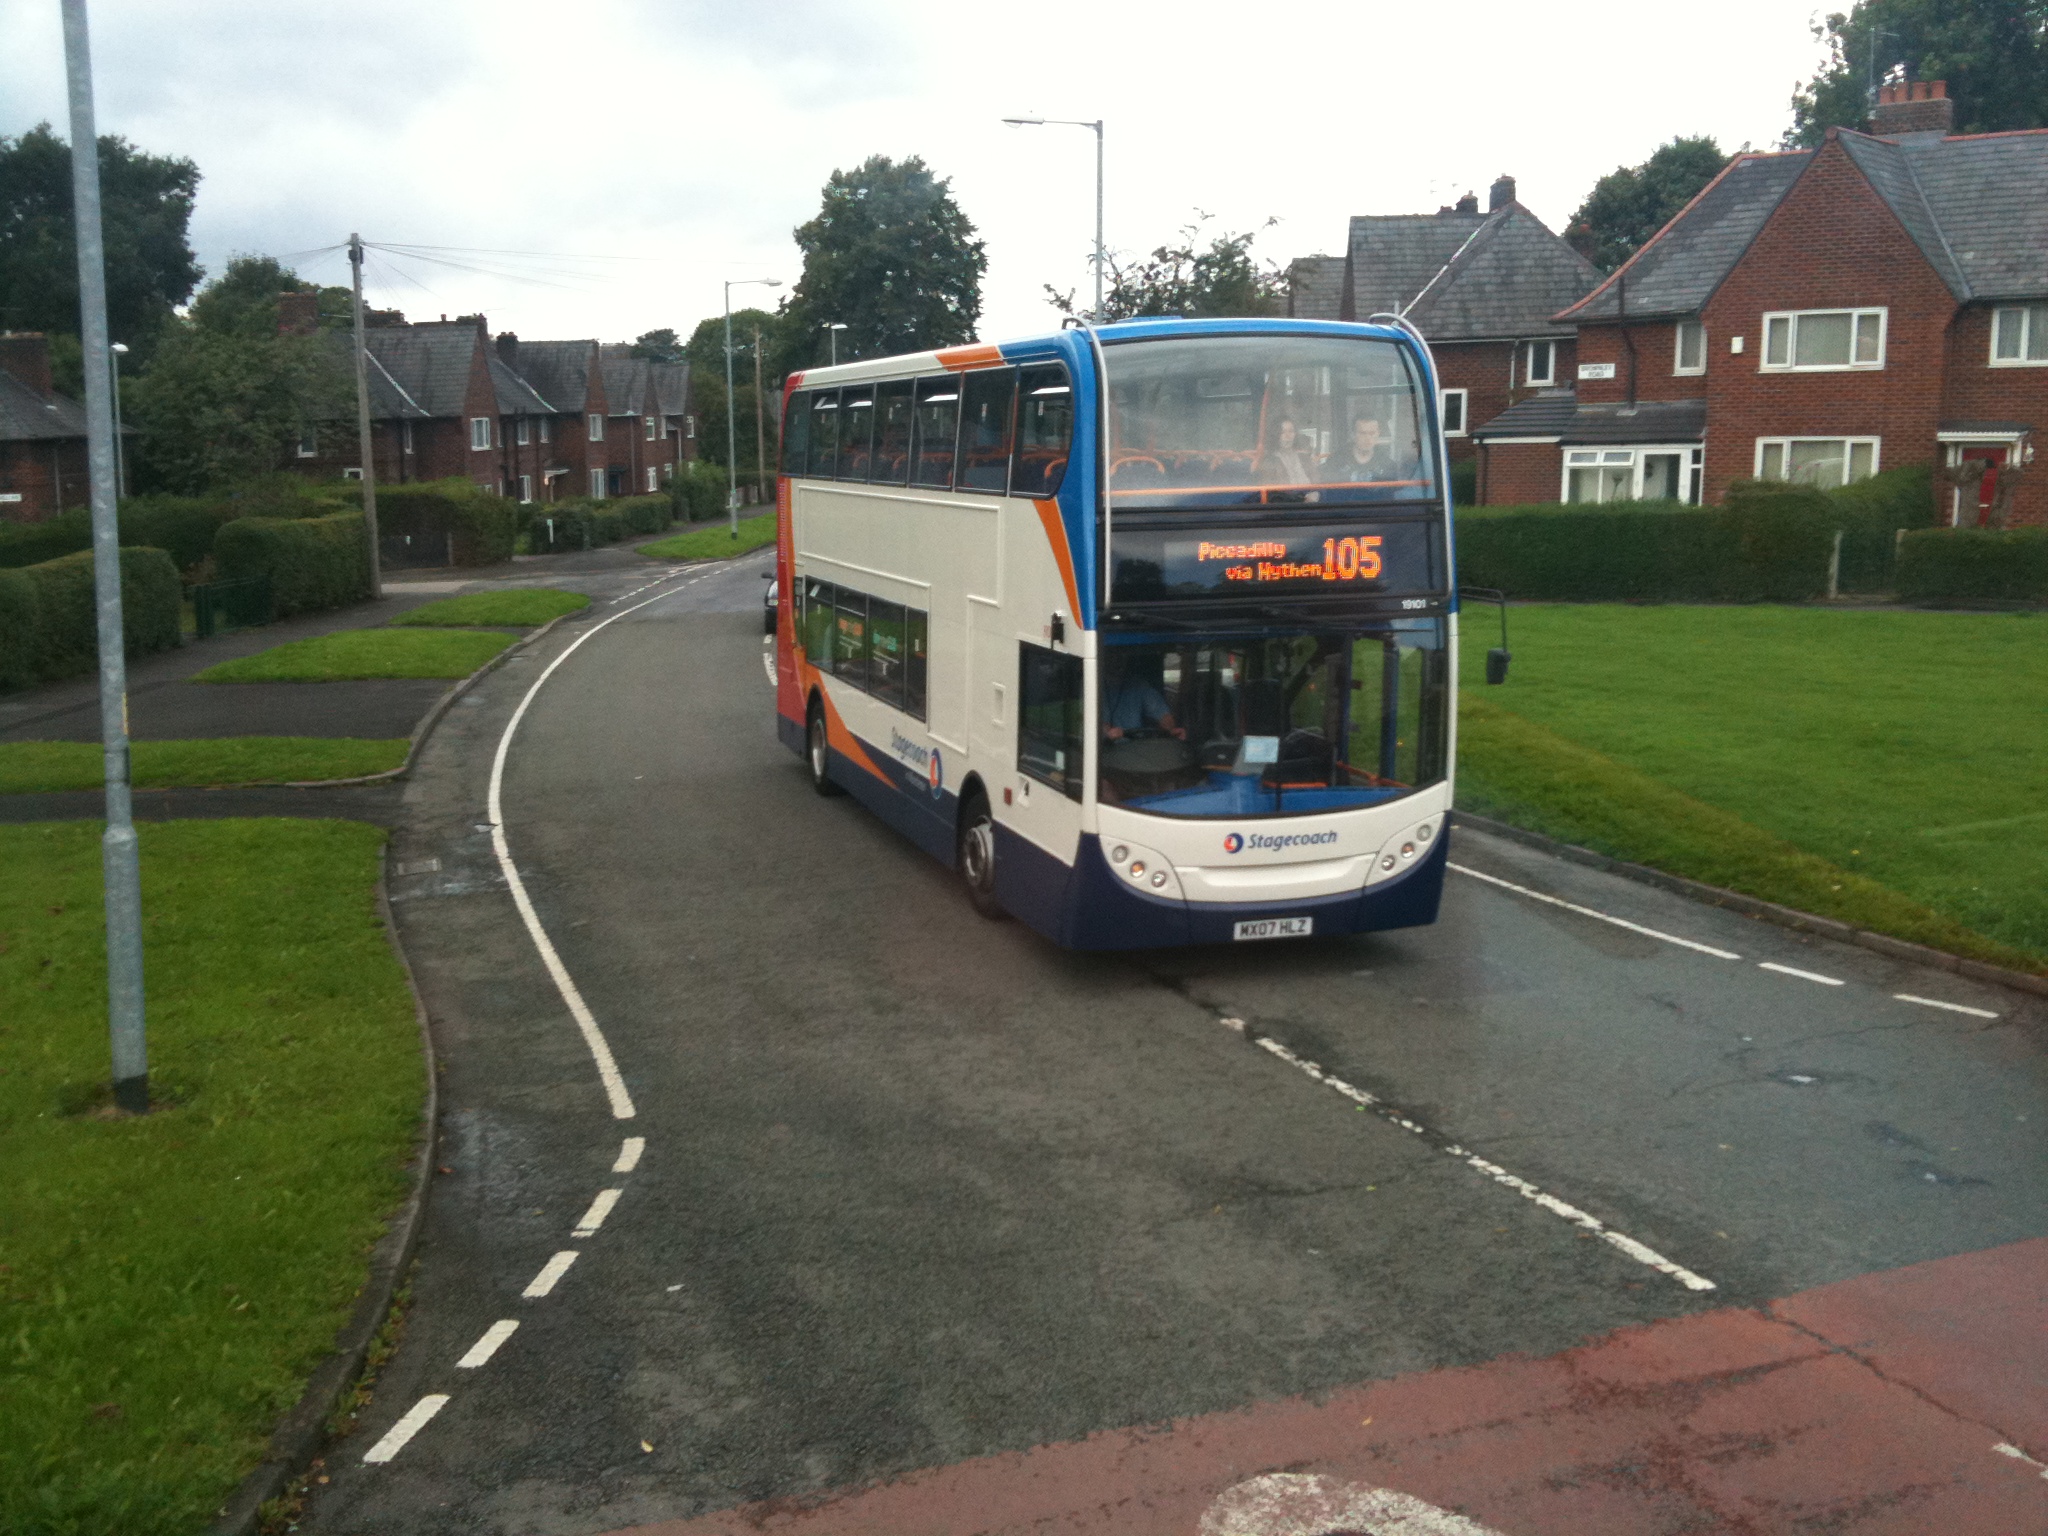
x=1974, y=511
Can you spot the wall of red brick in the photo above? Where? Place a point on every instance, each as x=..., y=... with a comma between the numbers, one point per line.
x=49, y=475
x=1482, y=369
x=1511, y=474
x=1656, y=355
x=1978, y=392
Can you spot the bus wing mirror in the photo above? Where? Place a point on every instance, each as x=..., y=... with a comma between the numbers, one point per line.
x=1497, y=661
x=1498, y=658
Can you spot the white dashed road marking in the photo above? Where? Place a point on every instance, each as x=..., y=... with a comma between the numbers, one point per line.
x=415, y=1417
x=600, y=1208
x=1790, y=970
x=481, y=1351
x=1935, y=1002
x=629, y=1154
x=1619, y=922
x=550, y=1272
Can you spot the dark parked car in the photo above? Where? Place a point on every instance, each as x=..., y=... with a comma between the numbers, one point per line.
x=768, y=602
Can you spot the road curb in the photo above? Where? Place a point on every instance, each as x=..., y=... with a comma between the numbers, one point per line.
x=300, y=1434
x=1768, y=911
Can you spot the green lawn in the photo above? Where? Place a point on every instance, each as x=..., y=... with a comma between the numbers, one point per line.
x=715, y=542
x=352, y=654
x=517, y=605
x=34, y=767
x=169, y=1281
x=1908, y=752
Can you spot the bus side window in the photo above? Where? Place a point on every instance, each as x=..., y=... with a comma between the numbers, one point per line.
x=938, y=425
x=850, y=638
x=913, y=663
x=1045, y=431
x=796, y=433
x=856, y=433
x=892, y=433
x=817, y=622
x=985, y=423
x=1049, y=718
x=885, y=655
x=825, y=434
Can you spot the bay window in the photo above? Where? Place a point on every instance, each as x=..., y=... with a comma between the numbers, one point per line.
x=1655, y=472
x=1823, y=461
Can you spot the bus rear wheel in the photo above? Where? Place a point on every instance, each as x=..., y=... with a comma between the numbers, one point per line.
x=818, y=752
x=977, y=855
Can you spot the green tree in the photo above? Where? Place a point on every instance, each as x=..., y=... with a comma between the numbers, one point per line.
x=661, y=346
x=145, y=208
x=242, y=301
x=1220, y=280
x=1632, y=202
x=890, y=256
x=1992, y=53
x=705, y=352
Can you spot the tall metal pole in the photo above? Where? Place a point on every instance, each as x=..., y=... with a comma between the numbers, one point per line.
x=1098, y=220
x=355, y=267
x=115, y=352
x=732, y=468
x=760, y=423
x=122, y=868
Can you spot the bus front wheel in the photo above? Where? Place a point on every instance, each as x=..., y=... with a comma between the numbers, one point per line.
x=977, y=855
x=818, y=752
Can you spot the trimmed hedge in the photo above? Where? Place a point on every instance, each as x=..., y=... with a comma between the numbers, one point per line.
x=183, y=526
x=49, y=618
x=484, y=525
x=698, y=491
x=1964, y=565
x=553, y=527
x=312, y=563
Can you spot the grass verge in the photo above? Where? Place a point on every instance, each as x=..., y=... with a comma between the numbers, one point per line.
x=41, y=767
x=715, y=542
x=1901, y=753
x=170, y=1280
x=518, y=605
x=352, y=655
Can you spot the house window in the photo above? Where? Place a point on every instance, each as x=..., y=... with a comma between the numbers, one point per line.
x=664, y=428
x=2019, y=337
x=479, y=433
x=546, y=429
x=1820, y=339
x=526, y=487
x=1821, y=461
x=1691, y=351
x=597, y=483
x=668, y=471
x=596, y=428
x=1656, y=472
x=524, y=431
x=355, y=472
x=1539, y=362
x=689, y=426
x=650, y=429
x=309, y=444
x=653, y=478
x=405, y=434
x=1452, y=408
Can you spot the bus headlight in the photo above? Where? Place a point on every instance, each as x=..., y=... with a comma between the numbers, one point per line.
x=1147, y=868
x=1388, y=862
x=1137, y=869
x=1118, y=854
x=1402, y=850
x=1159, y=880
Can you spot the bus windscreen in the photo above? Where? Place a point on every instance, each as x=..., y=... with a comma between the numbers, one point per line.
x=1266, y=421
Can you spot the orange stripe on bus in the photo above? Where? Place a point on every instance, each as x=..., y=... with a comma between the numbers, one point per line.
x=1056, y=535
x=841, y=738
x=959, y=358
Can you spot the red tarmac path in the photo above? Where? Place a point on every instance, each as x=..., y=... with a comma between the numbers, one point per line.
x=1907, y=1401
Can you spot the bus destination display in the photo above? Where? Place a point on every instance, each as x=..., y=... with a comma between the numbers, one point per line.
x=1385, y=558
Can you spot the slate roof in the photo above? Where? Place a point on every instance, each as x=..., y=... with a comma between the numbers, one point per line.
x=672, y=388
x=516, y=397
x=628, y=380
x=425, y=367
x=1977, y=206
x=1678, y=271
x=1557, y=413
x=27, y=415
x=1394, y=255
x=1315, y=288
x=559, y=372
x=1505, y=281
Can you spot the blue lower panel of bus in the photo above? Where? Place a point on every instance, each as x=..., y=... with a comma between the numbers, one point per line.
x=1088, y=907
x=906, y=802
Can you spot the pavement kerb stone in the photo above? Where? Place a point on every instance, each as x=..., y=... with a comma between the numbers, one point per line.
x=1770, y=912
x=301, y=1432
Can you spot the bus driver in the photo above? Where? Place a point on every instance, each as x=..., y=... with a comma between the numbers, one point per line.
x=1133, y=703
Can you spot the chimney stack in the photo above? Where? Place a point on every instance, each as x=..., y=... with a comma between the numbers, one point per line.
x=298, y=314
x=26, y=355
x=1501, y=194
x=1469, y=203
x=1913, y=106
x=508, y=348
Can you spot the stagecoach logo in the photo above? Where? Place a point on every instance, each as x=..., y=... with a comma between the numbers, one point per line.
x=938, y=774
x=920, y=757
x=1267, y=842
x=1233, y=843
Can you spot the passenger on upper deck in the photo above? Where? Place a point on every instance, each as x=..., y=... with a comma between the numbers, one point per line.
x=1285, y=460
x=1365, y=459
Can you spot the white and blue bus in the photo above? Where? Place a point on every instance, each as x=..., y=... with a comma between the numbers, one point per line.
x=1149, y=630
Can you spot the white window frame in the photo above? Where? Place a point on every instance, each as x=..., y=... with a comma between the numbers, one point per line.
x=526, y=488
x=653, y=479
x=1631, y=457
x=689, y=426
x=309, y=443
x=1792, y=317
x=1678, y=334
x=405, y=434
x=523, y=432
x=1464, y=426
x=547, y=433
x=596, y=427
x=1529, y=377
x=2027, y=313
x=597, y=485
x=1784, y=447
x=479, y=434
x=353, y=472
x=664, y=428
x=650, y=429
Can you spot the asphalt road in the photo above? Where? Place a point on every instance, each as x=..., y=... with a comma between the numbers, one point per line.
x=918, y=1188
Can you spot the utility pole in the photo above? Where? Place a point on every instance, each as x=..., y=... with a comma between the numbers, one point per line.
x=119, y=859
x=760, y=424
x=1101, y=255
x=355, y=267
x=732, y=468
x=118, y=351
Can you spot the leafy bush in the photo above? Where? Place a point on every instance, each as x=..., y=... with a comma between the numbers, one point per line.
x=1464, y=479
x=478, y=526
x=1869, y=513
x=1960, y=565
x=183, y=526
x=1771, y=551
x=553, y=527
x=312, y=563
x=49, y=619
x=698, y=491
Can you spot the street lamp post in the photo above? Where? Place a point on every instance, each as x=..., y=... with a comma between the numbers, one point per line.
x=732, y=468
x=1071, y=122
x=118, y=351
x=832, y=328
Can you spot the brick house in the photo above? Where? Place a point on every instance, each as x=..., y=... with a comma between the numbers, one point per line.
x=1485, y=288
x=1816, y=315
x=42, y=435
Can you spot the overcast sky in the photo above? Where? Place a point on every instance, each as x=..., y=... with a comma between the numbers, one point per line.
x=681, y=142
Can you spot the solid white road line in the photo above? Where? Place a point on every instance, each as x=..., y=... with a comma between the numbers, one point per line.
x=481, y=1351
x=415, y=1419
x=629, y=1154
x=600, y=1049
x=1790, y=970
x=1572, y=906
x=1640, y=1252
x=1935, y=1002
x=600, y=1208
x=550, y=1272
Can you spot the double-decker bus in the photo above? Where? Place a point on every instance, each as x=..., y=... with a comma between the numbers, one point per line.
x=1149, y=630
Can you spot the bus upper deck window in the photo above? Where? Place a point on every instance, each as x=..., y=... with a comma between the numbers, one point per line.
x=892, y=433
x=1045, y=430
x=856, y=433
x=825, y=433
x=986, y=414
x=938, y=429
x=796, y=434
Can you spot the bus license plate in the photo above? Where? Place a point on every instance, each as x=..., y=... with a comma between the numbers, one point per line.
x=1274, y=928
